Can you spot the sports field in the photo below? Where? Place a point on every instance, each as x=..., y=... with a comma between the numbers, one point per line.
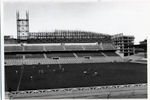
x=73, y=75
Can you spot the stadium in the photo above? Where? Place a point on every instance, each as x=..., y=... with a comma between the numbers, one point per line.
x=70, y=64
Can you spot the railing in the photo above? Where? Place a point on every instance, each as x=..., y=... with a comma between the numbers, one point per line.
x=78, y=90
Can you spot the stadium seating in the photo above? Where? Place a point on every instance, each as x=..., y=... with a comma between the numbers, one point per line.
x=76, y=54
x=11, y=62
x=65, y=60
x=34, y=55
x=73, y=47
x=14, y=56
x=33, y=48
x=54, y=48
x=92, y=47
x=97, y=54
x=13, y=48
x=52, y=55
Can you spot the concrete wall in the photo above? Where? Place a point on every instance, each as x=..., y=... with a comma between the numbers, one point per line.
x=9, y=62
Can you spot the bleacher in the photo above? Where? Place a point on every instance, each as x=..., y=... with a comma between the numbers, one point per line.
x=92, y=47
x=14, y=56
x=13, y=48
x=53, y=55
x=93, y=54
x=73, y=47
x=34, y=56
x=33, y=48
x=47, y=54
x=54, y=48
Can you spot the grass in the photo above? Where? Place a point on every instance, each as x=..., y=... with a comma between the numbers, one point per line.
x=74, y=75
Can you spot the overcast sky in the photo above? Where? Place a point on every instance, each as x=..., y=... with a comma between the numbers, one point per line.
x=130, y=18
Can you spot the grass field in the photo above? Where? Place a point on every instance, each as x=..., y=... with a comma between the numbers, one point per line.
x=73, y=75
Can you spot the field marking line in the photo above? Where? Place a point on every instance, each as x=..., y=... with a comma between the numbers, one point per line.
x=20, y=78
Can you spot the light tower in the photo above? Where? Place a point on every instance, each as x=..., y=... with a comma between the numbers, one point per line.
x=22, y=26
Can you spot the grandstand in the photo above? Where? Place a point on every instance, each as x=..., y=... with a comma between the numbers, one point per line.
x=94, y=54
x=59, y=47
x=54, y=48
x=34, y=56
x=14, y=56
x=35, y=48
x=49, y=53
x=73, y=47
x=13, y=48
x=55, y=55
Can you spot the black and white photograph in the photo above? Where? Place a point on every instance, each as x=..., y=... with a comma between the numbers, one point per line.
x=68, y=49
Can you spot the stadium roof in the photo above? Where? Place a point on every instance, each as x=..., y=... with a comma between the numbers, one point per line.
x=73, y=32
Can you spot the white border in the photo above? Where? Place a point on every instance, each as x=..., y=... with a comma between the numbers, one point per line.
x=2, y=53
x=2, y=34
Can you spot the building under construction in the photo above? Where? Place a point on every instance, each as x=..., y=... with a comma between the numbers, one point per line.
x=124, y=43
x=63, y=36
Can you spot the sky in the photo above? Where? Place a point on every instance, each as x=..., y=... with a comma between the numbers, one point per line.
x=110, y=17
